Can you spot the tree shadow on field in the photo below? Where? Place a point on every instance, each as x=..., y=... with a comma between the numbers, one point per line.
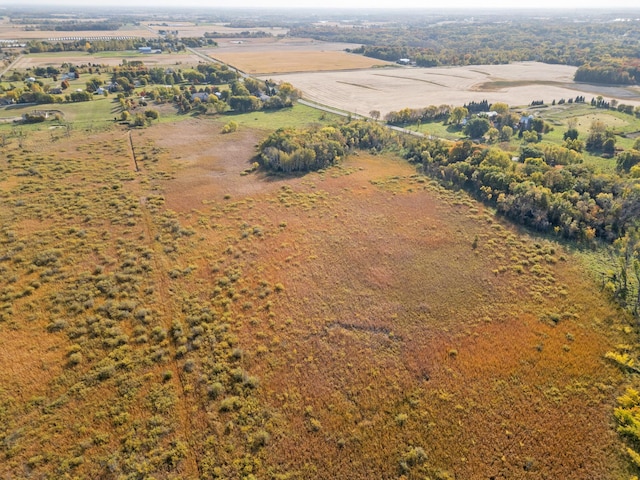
x=264, y=175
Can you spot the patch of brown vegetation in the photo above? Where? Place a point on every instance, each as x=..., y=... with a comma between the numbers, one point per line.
x=358, y=322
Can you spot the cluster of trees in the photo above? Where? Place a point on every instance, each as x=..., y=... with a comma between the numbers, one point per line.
x=613, y=71
x=215, y=74
x=132, y=73
x=243, y=95
x=33, y=92
x=290, y=150
x=407, y=116
x=501, y=125
x=574, y=202
x=601, y=139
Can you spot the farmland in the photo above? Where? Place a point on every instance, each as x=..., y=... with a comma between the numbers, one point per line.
x=269, y=56
x=190, y=29
x=394, y=89
x=78, y=58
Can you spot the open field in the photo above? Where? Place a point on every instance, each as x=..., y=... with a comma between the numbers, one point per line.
x=394, y=89
x=189, y=29
x=80, y=58
x=183, y=320
x=282, y=55
x=17, y=32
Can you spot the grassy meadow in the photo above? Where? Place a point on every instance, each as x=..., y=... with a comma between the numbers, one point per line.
x=163, y=314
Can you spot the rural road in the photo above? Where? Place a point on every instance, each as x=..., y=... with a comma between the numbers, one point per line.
x=358, y=117
x=213, y=60
x=2, y=72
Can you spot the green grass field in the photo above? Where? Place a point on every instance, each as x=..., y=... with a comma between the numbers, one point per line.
x=299, y=116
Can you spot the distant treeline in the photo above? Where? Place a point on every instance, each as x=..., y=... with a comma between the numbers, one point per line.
x=75, y=26
x=497, y=41
x=117, y=45
x=244, y=34
x=619, y=72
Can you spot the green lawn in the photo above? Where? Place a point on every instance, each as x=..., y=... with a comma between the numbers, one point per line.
x=299, y=116
x=438, y=129
x=95, y=114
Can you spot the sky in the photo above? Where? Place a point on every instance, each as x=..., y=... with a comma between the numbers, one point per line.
x=359, y=4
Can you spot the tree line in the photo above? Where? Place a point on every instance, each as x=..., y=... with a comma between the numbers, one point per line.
x=604, y=50
x=623, y=71
x=118, y=44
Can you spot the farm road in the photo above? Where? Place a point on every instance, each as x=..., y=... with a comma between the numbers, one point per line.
x=357, y=117
x=5, y=70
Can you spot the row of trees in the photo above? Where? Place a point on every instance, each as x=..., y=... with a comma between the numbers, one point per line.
x=408, y=116
x=574, y=202
x=118, y=44
x=76, y=25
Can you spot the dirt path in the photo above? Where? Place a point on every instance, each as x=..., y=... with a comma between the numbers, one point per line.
x=168, y=310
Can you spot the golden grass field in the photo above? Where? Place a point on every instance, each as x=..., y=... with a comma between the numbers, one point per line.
x=393, y=89
x=284, y=55
x=187, y=320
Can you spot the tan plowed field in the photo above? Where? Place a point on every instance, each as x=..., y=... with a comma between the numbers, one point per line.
x=396, y=88
x=79, y=58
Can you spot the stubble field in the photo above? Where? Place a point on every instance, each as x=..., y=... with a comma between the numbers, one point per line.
x=393, y=89
x=10, y=31
x=188, y=320
x=284, y=55
x=190, y=29
x=79, y=58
